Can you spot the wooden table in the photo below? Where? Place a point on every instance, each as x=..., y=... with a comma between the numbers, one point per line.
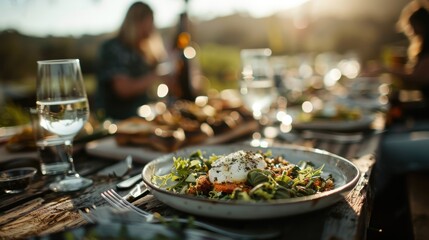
x=42, y=212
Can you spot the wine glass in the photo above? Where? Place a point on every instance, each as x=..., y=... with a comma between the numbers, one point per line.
x=63, y=109
x=257, y=88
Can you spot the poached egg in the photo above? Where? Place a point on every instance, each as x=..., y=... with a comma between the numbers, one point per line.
x=234, y=167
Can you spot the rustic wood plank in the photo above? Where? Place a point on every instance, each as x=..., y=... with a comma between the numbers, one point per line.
x=47, y=218
x=351, y=216
x=52, y=213
x=418, y=201
x=27, y=207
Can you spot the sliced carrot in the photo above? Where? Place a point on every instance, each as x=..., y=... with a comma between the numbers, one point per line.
x=228, y=187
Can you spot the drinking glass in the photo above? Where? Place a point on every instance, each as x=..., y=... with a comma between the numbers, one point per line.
x=63, y=109
x=50, y=148
x=257, y=87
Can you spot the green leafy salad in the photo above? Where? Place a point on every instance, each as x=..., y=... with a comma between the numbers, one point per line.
x=243, y=175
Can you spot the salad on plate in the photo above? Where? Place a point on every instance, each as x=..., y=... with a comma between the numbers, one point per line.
x=244, y=175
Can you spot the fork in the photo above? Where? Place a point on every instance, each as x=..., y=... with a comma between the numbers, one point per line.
x=116, y=201
x=110, y=217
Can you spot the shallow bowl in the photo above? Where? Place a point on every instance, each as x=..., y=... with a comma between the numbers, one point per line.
x=16, y=180
x=345, y=173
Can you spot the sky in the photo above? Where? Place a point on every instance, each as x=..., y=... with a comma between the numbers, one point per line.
x=78, y=17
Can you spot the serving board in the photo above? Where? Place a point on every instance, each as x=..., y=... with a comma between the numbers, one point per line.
x=107, y=147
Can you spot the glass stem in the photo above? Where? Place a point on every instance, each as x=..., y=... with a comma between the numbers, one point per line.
x=263, y=121
x=69, y=152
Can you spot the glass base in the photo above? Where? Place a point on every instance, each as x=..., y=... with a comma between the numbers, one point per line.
x=8, y=191
x=70, y=183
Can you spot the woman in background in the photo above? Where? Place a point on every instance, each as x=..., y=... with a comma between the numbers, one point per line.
x=414, y=23
x=127, y=65
x=400, y=153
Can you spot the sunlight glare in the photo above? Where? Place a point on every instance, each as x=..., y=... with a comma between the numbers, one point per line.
x=189, y=52
x=205, y=9
x=162, y=90
x=307, y=107
x=145, y=111
x=35, y=17
x=349, y=68
x=332, y=77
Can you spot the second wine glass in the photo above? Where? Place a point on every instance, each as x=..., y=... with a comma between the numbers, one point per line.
x=63, y=109
x=257, y=88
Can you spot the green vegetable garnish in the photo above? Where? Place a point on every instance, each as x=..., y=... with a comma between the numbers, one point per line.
x=279, y=180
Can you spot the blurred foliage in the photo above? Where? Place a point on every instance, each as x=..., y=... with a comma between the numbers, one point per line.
x=20, y=53
x=219, y=41
x=13, y=115
x=220, y=65
x=17, y=53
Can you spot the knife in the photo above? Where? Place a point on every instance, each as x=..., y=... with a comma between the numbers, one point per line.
x=119, y=169
x=129, y=182
x=138, y=191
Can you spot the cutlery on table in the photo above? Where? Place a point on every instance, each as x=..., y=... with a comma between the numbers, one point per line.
x=129, y=182
x=120, y=169
x=120, y=204
x=136, y=192
x=108, y=218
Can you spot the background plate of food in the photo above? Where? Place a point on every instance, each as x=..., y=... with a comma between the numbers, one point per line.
x=337, y=118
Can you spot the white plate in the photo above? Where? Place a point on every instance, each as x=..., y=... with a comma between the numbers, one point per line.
x=107, y=147
x=337, y=125
x=362, y=123
x=345, y=173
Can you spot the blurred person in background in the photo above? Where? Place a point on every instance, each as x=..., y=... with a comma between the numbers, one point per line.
x=414, y=24
x=127, y=65
x=398, y=152
x=403, y=150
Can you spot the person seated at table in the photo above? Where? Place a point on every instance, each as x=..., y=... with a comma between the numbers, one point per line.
x=403, y=145
x=126, y=65
x=414, y=24
x=399, y=153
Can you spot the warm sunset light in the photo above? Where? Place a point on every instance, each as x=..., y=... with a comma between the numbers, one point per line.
x=95, y=17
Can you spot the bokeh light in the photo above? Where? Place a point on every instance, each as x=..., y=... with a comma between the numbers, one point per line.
x=162, y=90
